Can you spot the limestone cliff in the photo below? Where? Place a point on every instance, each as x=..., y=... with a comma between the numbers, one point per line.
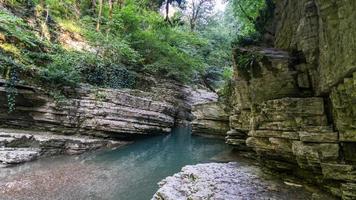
x=114, y=113
x=86, y=115
x=90, y=111
x=295, y=106
x=210, y=119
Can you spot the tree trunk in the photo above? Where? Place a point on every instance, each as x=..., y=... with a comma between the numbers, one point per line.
x=93, y=7
x=192, y=26
x=167, y=19
x=99, y=15
x=111, y=7
x=120, y=3
x=77, y=9
x=93, y=4
x=167, y=10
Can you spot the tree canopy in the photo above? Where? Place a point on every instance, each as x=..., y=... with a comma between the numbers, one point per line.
x=114, y=43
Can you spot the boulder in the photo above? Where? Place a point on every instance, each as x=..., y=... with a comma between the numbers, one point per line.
x=10, y=156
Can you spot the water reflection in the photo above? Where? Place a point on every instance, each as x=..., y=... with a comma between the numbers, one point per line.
x=128, y=173
x=131, y=172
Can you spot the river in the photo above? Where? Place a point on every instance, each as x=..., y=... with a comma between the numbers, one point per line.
x=128, y=173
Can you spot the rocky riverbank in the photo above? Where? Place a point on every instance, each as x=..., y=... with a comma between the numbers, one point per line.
x=229, y=181
x=22, y=146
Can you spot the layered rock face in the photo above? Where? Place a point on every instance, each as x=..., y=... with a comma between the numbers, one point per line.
x=92, y=111
x=295, y=105
x=210, y=119
x=22, y=146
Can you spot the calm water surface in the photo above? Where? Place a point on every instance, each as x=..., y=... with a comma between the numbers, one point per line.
x=128, y=173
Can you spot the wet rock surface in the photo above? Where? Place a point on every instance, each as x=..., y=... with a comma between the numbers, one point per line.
x=226, y=181
x=22, y=146
x=10, y=156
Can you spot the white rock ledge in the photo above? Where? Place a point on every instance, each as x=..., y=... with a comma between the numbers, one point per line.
x=225, y=181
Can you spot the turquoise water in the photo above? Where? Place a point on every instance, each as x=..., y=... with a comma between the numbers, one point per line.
x=150, y=160
x=132, y=172
x=128, y=173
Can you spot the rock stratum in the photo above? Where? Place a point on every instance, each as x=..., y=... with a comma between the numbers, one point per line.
x=210, y=119
x=89, y=118
x=295, y=107
x=90, y=111
x=115, y=113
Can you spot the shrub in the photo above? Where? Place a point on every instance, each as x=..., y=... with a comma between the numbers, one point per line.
x=62, y=71
x=247, y=64
x=247, y=40
x=110, y=75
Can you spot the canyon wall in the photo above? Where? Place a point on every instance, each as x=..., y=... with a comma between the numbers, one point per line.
x=295, y=105
x=89, y=118
x=114, y=113
x=210, y=119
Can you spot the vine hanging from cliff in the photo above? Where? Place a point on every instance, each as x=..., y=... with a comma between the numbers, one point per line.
x=10, y=71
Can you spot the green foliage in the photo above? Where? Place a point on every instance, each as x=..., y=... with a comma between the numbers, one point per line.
x=134, y=39
x=10, y=89
x=70, y=68
x=228, y=73
x=246, y=40
x=61, y=71
x=264, y=17
x=10, y=71
x=247, y=12
x=19, y=41
x=218, y=32
x=113, y=48
x=14, y=28
x=63, y=9
x=248, y=64
x=254, y=17
x=166, y=51
x=99, y=96
x=109, y=75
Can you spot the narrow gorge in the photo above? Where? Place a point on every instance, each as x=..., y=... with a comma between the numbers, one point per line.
x=281, y=126
x=294, y=105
